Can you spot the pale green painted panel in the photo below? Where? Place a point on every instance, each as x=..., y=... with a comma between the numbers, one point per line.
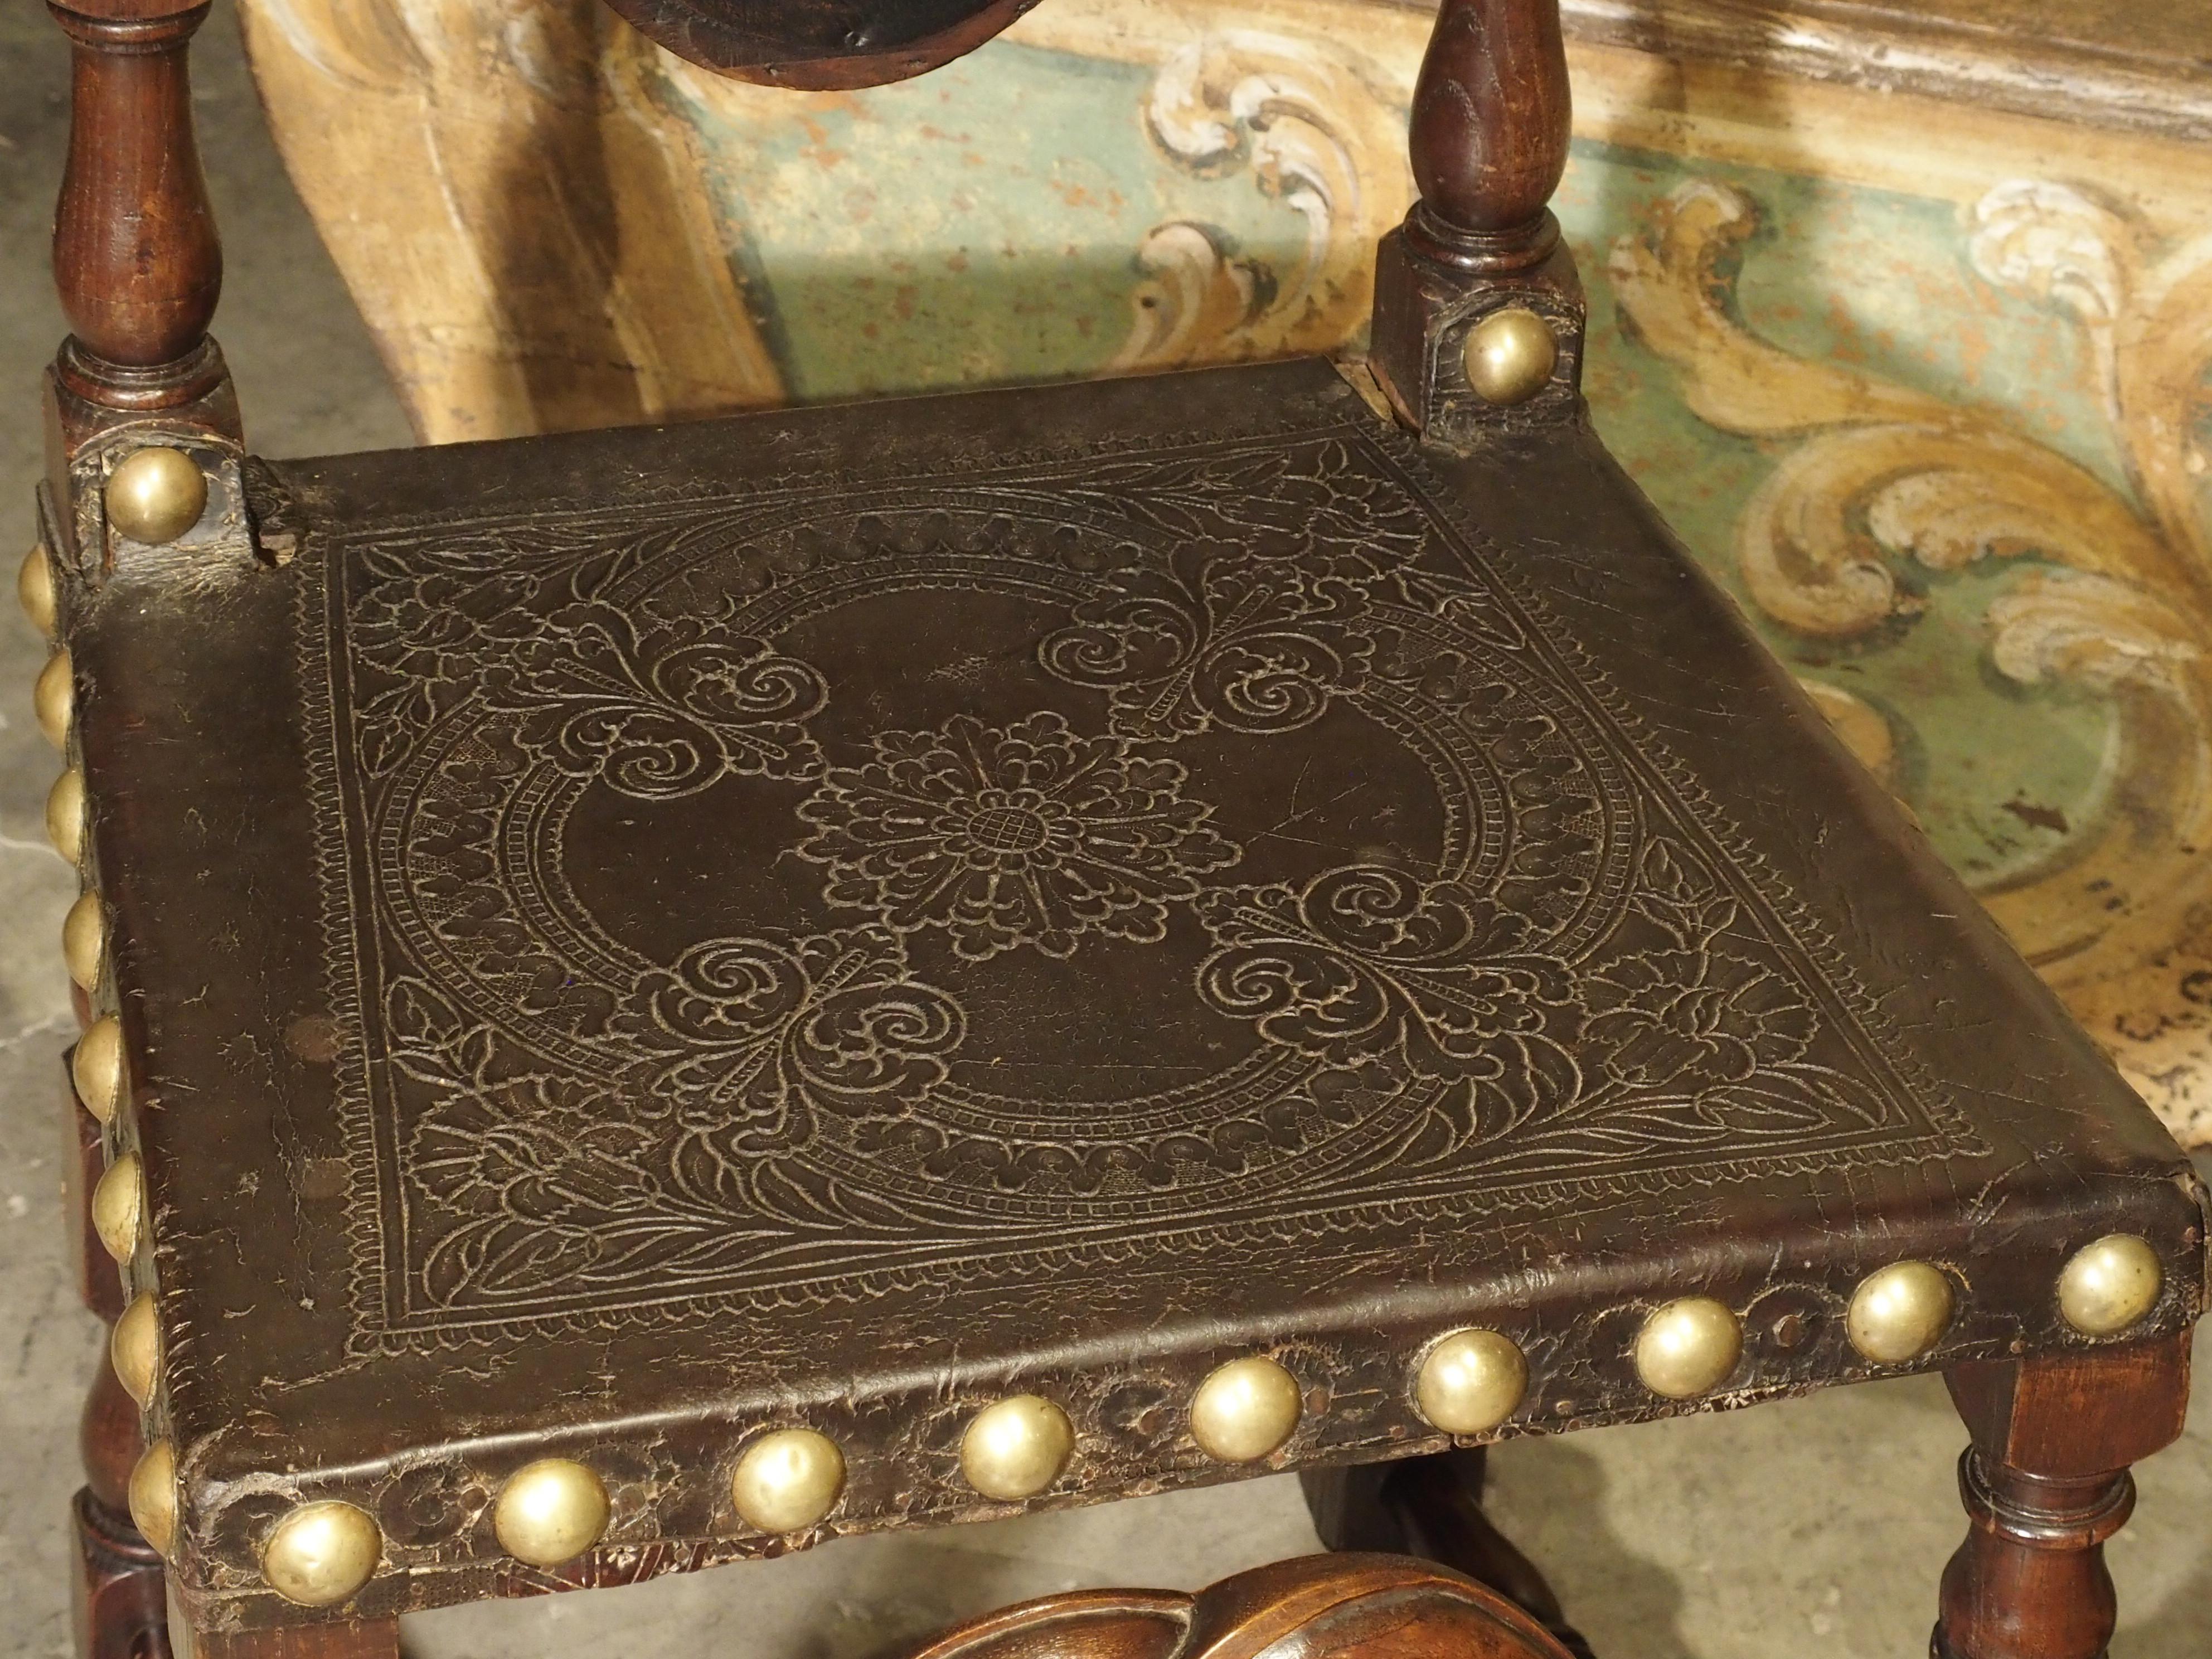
x=982, y=226
x=977, y=226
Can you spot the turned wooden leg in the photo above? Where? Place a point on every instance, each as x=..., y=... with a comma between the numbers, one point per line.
x=2045, y=1483
x=1432, y=1507
x=118, y=1595
x=117, y=1600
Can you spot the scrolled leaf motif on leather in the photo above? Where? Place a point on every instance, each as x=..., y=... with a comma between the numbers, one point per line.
x=661, y=708
x=763, y=1033
x=1310, y=503
x=1245, y=1146
x=529, y=1168
x=1023, y=835
x=1368, y=960
x=1218, y=635
x=1693, y=1024
x=1695, y=1019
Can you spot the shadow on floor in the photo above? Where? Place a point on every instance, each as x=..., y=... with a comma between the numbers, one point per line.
x=1551, y=1498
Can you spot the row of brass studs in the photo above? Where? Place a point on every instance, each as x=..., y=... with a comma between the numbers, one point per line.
x=1467, y=1383
x=118, y=1200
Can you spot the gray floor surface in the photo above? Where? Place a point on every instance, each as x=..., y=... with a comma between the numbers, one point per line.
x=1814, y=1529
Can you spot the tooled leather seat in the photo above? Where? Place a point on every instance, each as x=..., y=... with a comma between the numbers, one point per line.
x=1266, y=939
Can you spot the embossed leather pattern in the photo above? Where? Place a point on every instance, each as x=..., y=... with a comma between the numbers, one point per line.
x=832, y=917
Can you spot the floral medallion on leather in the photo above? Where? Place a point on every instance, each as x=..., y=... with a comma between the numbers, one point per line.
x=1019, y=834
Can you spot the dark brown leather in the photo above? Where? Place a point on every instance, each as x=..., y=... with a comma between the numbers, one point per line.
x=831, y=917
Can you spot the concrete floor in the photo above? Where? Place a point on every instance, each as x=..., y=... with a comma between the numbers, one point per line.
x=1815, y=1528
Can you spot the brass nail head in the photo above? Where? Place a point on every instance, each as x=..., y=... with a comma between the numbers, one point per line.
x=549, y=1511
x=155, y=495
x=118, y=1207
x=1016, y=1448
x=153, y=1496
x=1511, y=355
x=136, y=1348
x=96, y=1068
x=65, y=816
x=53, y=698
x=1900, y=1312
x=2110, y=1286
x=84, y=939
x=34, y=590
x=1244, y=1410
x=1470, y=1382
x=321, y=1554
x=788, y=1481
x=1688, y=1347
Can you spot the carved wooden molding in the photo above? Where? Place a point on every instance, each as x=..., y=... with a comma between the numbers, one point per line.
x=2131, y=68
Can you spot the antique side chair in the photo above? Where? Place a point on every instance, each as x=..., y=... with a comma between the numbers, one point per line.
x=665, y=995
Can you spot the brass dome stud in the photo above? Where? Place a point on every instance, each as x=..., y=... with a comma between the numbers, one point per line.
x=319, y=1554
x=1244, y=1410
x=153, y=1496
x=2110, y=1285
x=1688, y=1347
x=155, y=495
x=1016, y=1448
x=34, y=590
x=84, y=941
x=549, y=1511
x=1471, y=1380
x=53, y=699
x=118, y=1207
x=1511, y=355
x=96, y=1068
x=65, y=816
x=788, y=1481
x=136, y=1348
x=1900, y=1313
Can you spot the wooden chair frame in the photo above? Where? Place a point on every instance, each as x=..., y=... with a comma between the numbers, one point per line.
x=138, y=265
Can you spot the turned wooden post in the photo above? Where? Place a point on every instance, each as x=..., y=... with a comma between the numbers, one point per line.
x=135, y=256
x=1478, y=315
x=137, y=260
x=2045, y=1483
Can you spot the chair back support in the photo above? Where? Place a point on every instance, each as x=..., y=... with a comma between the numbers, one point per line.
x=820, y=45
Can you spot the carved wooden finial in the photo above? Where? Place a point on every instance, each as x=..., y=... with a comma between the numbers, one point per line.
x=1477, y=314
x=1492, y=109
x=135, y=256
